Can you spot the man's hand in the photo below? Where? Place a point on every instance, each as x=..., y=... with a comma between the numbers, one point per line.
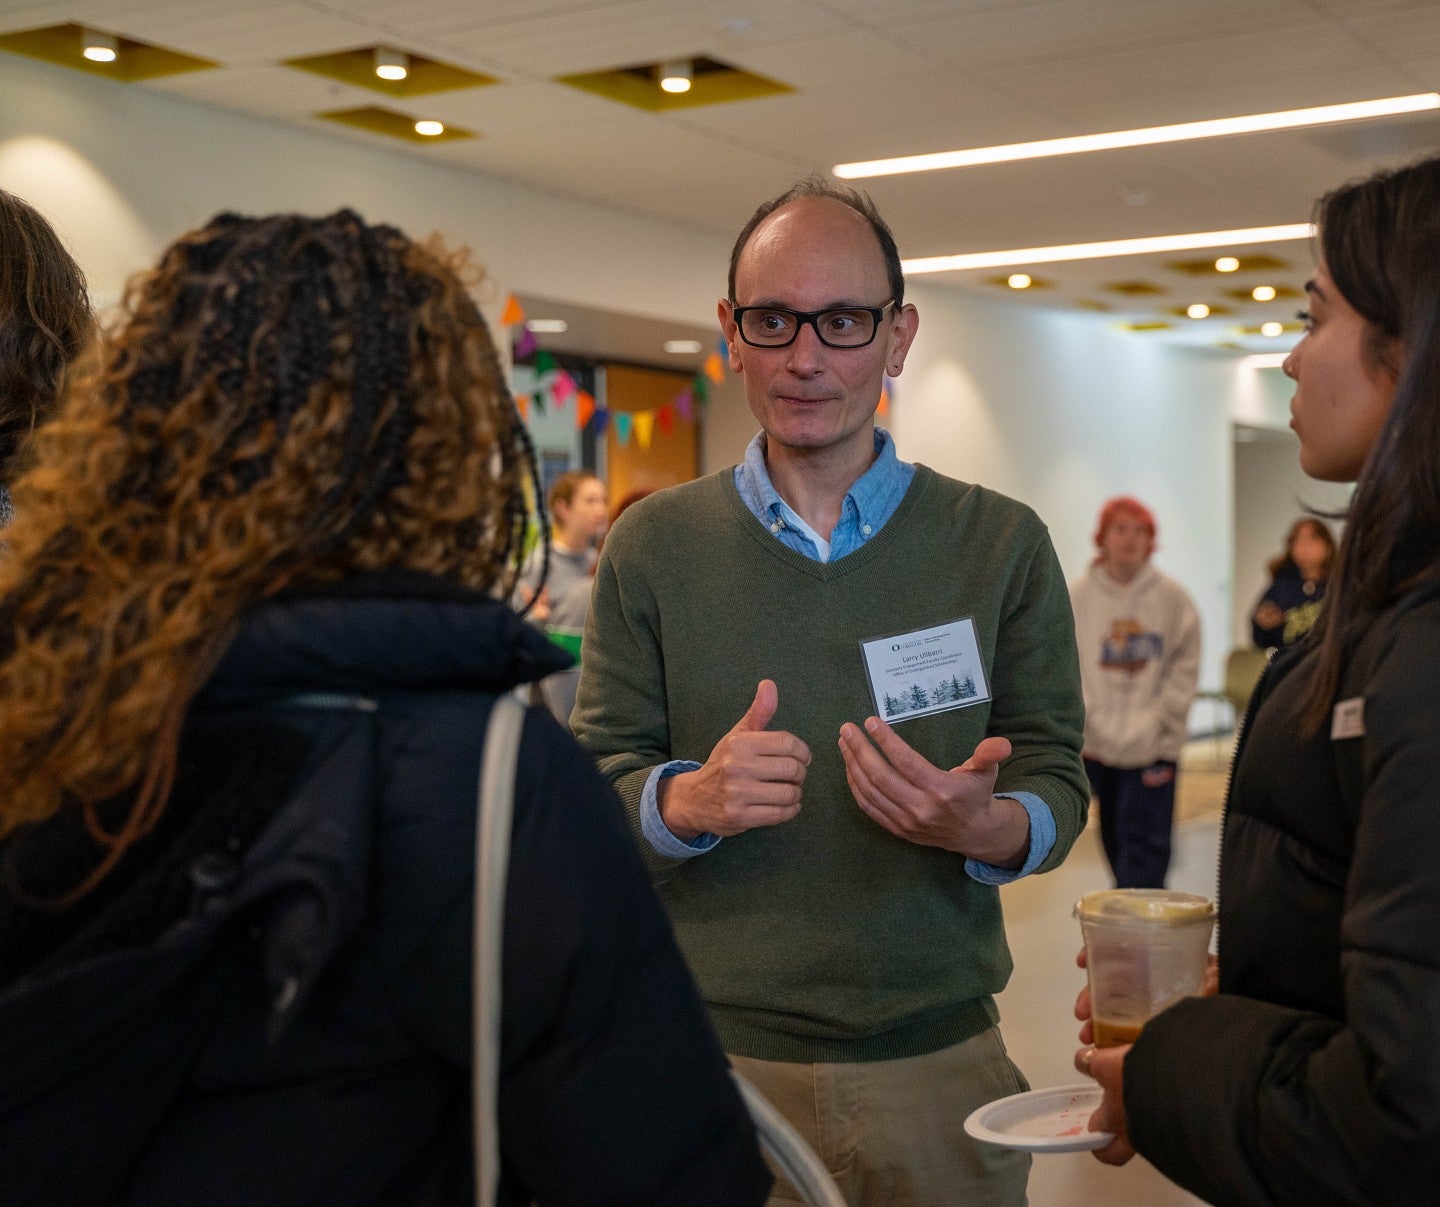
x=752, y=778
x=539, y=611
x=907, y=794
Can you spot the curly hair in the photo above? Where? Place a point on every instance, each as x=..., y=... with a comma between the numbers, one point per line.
x=284, y=400
x=44, y=321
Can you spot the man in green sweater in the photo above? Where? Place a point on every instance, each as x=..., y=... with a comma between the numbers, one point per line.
x=831, y=876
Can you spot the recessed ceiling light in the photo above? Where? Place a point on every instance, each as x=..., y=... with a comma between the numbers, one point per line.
x=1149, y=136
x=430, y=129
x=1227, y=264
x=1019, y=280
x=683, y=347
x=1198, y=310
x=547, y=326
x=1263, y=293
x=391, y=64
x=98, y=47
x=676, y=76
x=1265, y=360
x=1114, y=247
x=1272, y=329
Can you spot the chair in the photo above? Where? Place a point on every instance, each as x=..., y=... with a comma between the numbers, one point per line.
x=1242, y=673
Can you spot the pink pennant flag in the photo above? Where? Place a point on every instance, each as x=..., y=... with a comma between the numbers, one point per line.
x=623, y=420
x=564, y=388
x=644, y=427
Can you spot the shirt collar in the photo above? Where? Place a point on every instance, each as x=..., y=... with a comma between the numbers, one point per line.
x=874, y=495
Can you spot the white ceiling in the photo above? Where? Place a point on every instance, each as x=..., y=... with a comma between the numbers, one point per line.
x=873, y=78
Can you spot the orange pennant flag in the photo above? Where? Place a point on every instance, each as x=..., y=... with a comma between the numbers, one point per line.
x=522, y=404
x=584, y=408
x=884, y=408
x=644, y=427
x=666, y=415
x=715, y=368
x=513, y=312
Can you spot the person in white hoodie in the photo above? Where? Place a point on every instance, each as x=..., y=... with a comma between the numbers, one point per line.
x=1139, y=639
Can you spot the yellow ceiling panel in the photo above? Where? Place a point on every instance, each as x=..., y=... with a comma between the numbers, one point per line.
x=714, y=83
x=61, y=44
x=357, y=67
x=392, y=124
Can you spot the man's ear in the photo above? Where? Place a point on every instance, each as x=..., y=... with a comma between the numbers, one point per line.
x=902, y=334
x=723, y=311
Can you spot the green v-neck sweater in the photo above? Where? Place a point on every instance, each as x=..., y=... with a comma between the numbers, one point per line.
x=827, y=938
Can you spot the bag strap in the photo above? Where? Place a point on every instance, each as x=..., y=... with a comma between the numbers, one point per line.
x=492, y=858
x=785, y=1146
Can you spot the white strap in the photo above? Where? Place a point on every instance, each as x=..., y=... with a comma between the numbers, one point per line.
x=793, y=1157
x=492, y=857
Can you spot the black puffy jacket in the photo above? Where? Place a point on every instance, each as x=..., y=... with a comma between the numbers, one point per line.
x=1313, y=1080
x=269, y=1001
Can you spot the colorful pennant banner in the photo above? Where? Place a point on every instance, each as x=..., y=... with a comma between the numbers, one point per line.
x=513, y=313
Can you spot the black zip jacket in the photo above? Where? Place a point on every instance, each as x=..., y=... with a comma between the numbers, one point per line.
x=269, y=1001
x=1313, y=1080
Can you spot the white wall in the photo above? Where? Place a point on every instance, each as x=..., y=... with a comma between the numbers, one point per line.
x=1062, y=412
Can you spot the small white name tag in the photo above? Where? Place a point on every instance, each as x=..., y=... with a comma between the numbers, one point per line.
x=1348, y=720
x=926, y=671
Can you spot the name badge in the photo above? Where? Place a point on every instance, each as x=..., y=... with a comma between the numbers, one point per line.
x=926, y=671
x=1348, y=719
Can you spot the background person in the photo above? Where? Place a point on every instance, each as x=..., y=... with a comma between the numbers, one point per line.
x=1139, y=638
x=44, y=323
x=251, y=643
x=578, y=517
x=833, y=887
x=1314, y=1075
x=1291, y=603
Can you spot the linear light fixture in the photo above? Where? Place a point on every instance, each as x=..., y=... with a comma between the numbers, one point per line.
x=1265, y=360
x=1114, y=247
x=547, y=326
x=1147, y=137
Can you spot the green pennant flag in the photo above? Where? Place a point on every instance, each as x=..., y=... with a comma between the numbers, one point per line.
x=701, y=388
x=544, y=363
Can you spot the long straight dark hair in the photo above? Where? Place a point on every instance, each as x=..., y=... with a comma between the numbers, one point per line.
x=1381, y=241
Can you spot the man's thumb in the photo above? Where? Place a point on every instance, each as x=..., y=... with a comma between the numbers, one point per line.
x=762, y=708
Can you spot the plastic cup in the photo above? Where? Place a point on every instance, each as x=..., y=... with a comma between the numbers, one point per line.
x=1144, y=950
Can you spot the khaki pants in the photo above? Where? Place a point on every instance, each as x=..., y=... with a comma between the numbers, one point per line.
x=892, y=1132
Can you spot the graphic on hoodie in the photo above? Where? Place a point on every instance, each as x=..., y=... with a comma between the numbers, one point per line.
x=1129, y=647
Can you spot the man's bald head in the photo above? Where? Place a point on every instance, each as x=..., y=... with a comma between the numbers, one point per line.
x=819, y=186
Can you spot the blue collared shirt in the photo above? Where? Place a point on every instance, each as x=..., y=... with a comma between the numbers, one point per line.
x=869, y=504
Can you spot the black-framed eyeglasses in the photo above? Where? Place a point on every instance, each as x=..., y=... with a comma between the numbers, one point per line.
x=837, y=327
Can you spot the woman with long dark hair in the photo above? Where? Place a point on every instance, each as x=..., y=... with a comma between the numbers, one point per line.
x=1314, y=1076
x=253, y=629
x=1291, y=603
x=44, y=322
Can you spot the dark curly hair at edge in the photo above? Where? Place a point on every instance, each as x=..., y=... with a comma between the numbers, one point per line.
x=44, y=321
x=286, y=400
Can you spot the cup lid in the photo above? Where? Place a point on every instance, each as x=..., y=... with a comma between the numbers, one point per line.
x=1144, y=907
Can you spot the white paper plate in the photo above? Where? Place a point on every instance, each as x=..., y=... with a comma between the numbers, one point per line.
x=1056, y=1120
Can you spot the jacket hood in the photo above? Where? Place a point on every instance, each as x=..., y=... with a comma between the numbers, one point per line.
x=395, y=630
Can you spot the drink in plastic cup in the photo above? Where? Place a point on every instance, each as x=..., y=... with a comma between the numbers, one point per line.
x=1144, y=950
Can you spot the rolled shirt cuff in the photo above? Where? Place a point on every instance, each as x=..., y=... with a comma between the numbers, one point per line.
x=1042, y=842
x=658, y=835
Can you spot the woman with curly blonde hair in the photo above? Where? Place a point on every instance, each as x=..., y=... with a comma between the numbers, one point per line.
x=252, y=632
